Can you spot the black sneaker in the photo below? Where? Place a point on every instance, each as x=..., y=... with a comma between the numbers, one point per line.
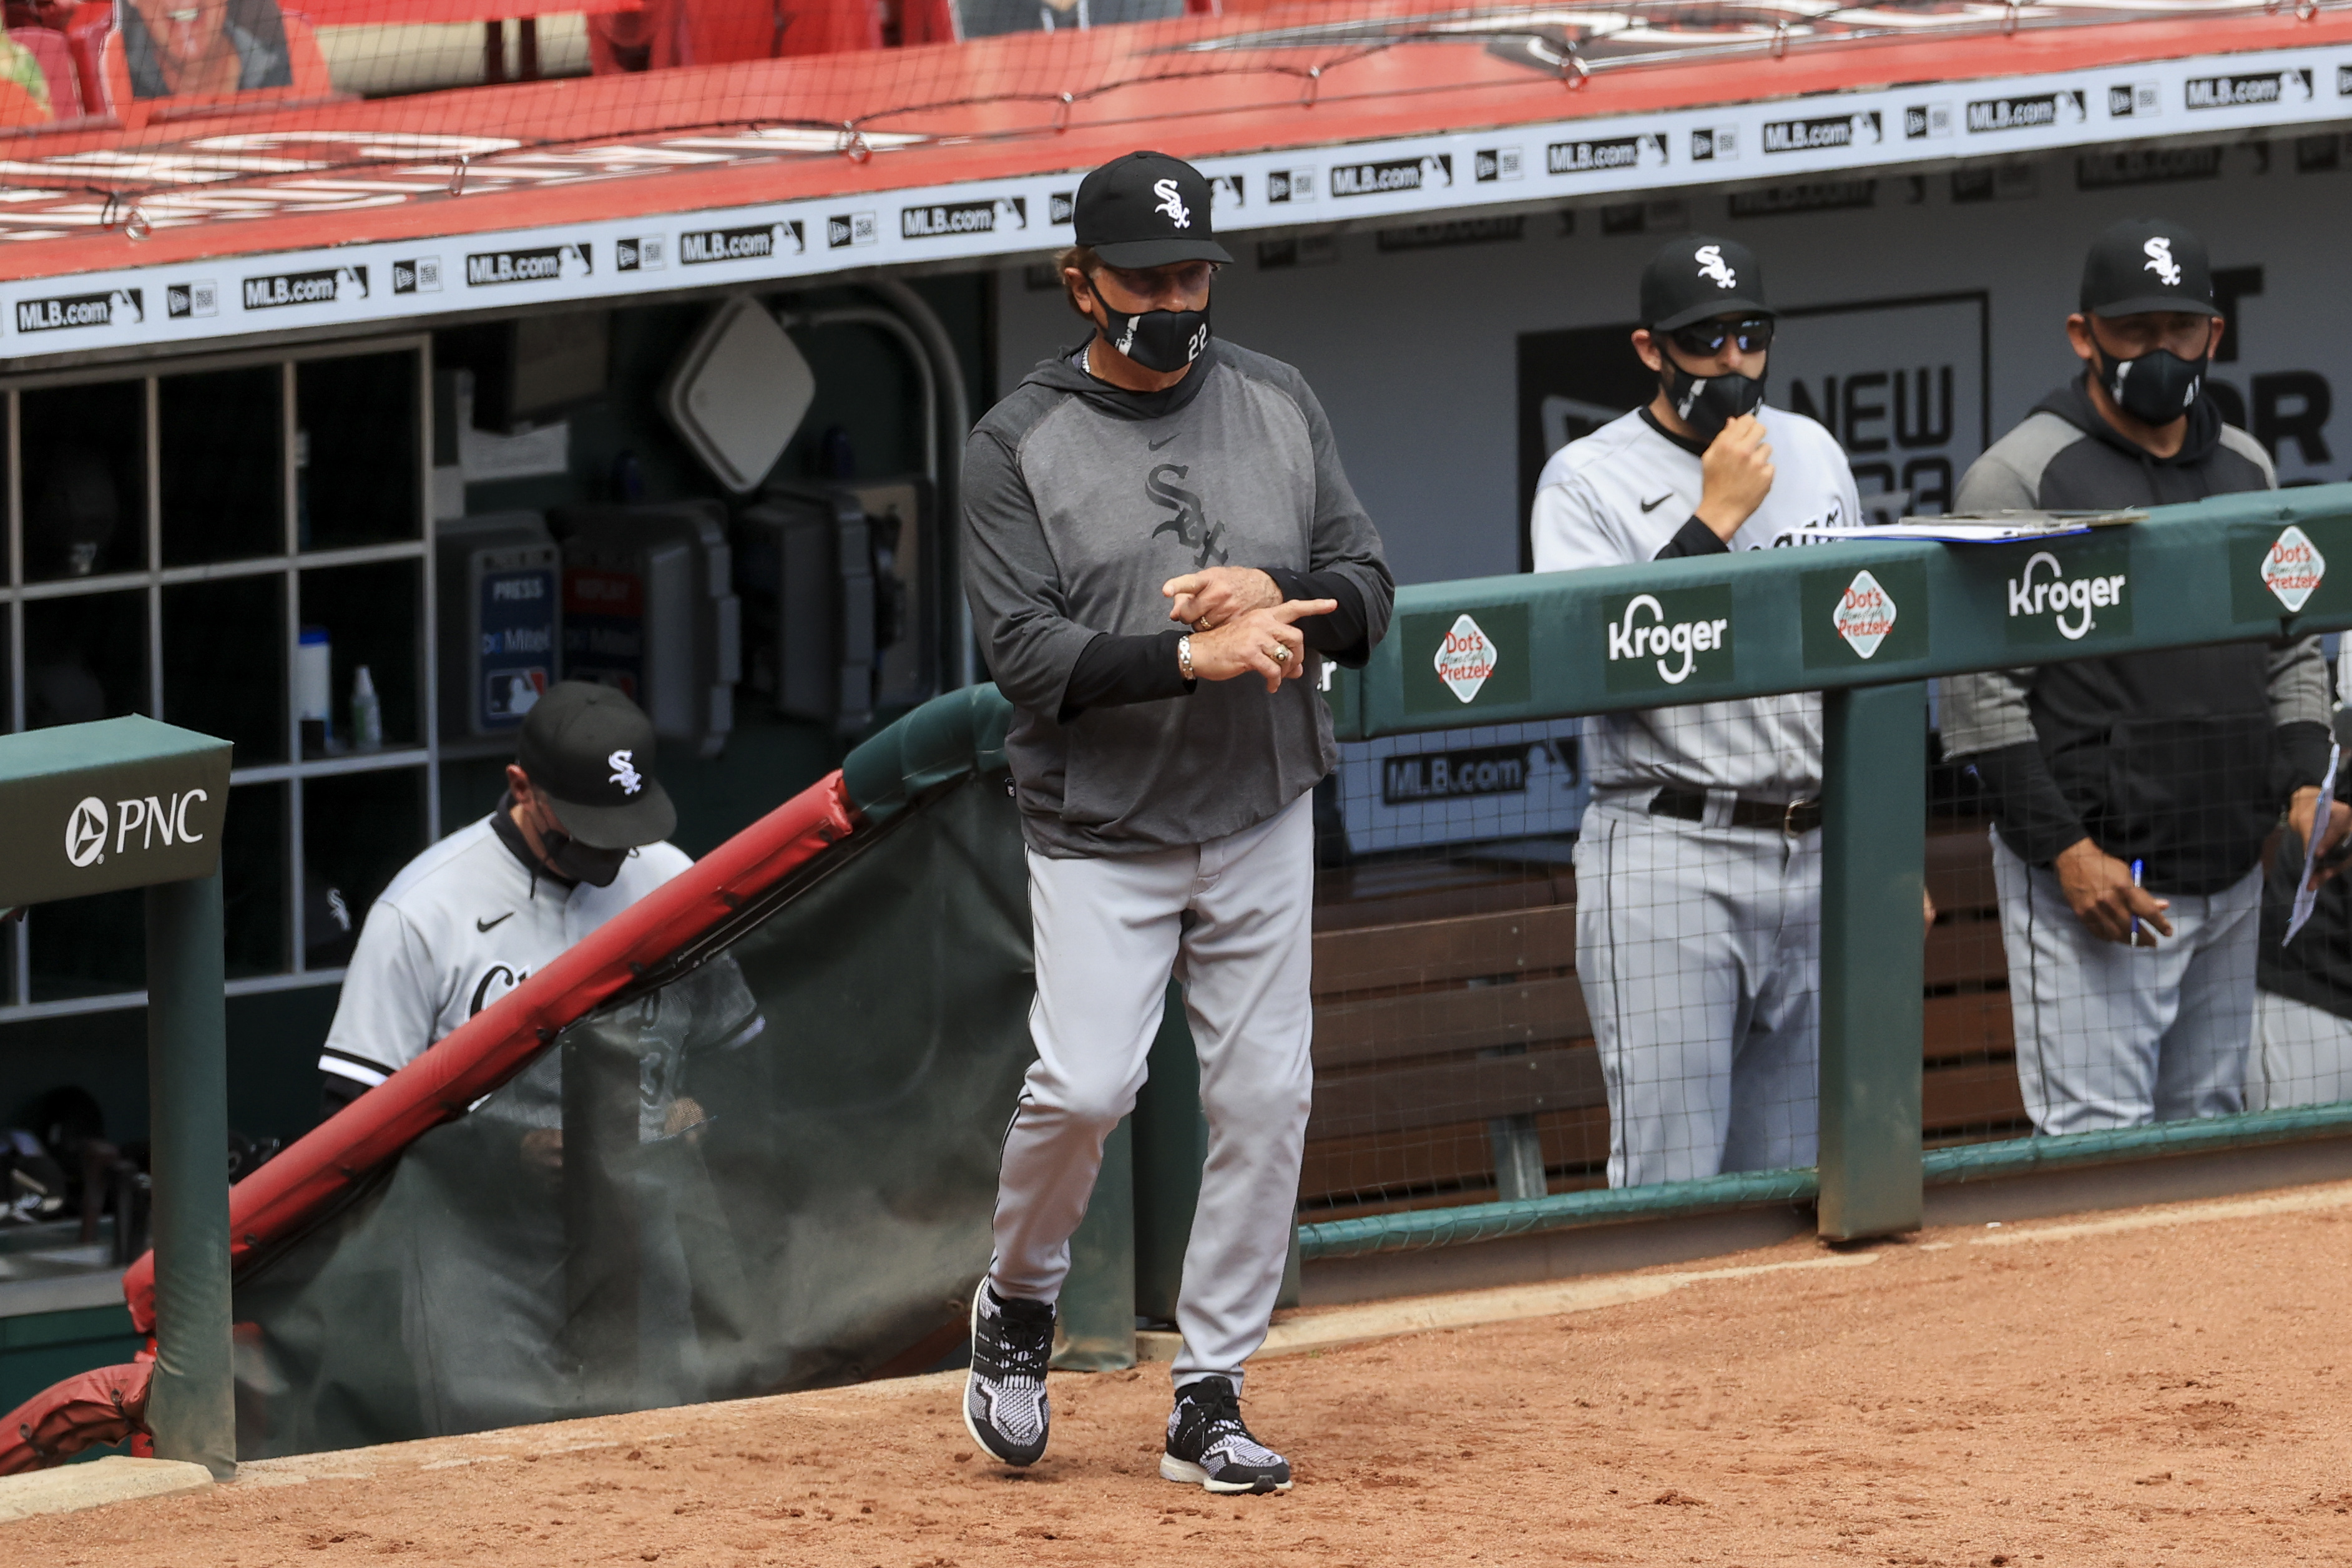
x=1209, y=1446
x=1004, y=1398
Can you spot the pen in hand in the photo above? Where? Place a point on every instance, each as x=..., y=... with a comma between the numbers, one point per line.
x=2137, y=866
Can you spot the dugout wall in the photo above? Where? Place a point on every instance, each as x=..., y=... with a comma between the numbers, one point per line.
x=309, y=229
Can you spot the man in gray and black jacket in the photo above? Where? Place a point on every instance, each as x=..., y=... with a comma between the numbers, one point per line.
x=2131, y=795
x=1164, y=774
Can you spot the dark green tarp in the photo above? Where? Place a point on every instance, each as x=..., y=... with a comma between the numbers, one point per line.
x=771, y=1171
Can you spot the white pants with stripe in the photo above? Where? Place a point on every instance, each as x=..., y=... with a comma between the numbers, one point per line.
x=2110, y=1036
x=2302, y=1056
x=1699, y=947
x=1232, y=920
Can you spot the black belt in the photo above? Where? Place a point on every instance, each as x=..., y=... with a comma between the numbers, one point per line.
x=1795, y=818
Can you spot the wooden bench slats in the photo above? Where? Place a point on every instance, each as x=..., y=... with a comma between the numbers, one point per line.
x=1455, y=1154
x=1970, y=1024
x=1466, y=1090
x=1965, y=952
x=1970, y=1094
x=1433, y=1023
x=1426, y=953
x=1959, y=869
x=1424, y=1126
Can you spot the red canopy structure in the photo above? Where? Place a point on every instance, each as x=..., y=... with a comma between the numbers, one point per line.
x=785, y=166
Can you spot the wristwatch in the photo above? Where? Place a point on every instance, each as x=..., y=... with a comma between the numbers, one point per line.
x=1184, y=657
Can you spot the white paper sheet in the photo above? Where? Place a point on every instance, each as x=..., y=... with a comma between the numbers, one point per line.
x=2307, y=896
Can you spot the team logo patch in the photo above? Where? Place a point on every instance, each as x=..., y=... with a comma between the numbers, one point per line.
x=2159, y=252
x=1171, y=203
x=625, y=772
x=1191, y=525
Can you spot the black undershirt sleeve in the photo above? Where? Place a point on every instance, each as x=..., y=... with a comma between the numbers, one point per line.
x=2299, y=758
x=2034, y=818
x=1694, y=537
x=1113, y=671
x=1339, y=636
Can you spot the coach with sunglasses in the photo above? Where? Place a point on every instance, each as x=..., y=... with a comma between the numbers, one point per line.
x=1698, y=868
x=1160, y=550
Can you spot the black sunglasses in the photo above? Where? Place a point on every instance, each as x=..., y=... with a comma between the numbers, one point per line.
x=1705, y=339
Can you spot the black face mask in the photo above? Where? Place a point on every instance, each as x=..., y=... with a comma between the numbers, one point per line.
x=578, y=862
x=2156, y=388
x=1708, y=403
x=1160, y=340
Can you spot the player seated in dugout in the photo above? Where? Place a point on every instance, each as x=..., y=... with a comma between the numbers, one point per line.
x=578, y=839
x=204, y=49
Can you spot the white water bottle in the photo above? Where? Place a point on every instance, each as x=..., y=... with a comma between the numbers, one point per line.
x=367, y=714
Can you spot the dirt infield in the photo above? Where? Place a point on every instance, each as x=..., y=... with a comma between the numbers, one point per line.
x=2162, y=1387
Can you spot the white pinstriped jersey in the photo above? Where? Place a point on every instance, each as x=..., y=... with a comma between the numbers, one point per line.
x=463, y=924
x=1616, y=497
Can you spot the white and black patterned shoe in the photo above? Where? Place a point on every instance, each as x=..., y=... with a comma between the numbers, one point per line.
x=1209, y=1446
x=1005, y=1406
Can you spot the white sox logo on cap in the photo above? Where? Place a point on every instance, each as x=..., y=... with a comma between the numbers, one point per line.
x=1712, y=265
x=625, y=772
x=2159, y=261
x=1171, y=202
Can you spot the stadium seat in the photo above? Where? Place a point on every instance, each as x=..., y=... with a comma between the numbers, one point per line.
x=927, y=22
x=312, y=83
x=668, y=32
x=87, y=27
x=50, y=50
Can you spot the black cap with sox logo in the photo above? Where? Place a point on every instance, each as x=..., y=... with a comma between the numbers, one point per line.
x=1147, y=209
x=589, y=750
x=2146, y=264
x=1700, y=277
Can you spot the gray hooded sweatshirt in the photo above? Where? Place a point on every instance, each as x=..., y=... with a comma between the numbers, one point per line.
x=1080, y=500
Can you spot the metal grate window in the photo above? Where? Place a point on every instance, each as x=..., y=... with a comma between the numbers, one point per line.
x=224, y=544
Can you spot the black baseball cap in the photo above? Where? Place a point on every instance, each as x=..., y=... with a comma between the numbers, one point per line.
x=589, y=750
x=2146, y=264
x=1147, y=209
x=1697, y=278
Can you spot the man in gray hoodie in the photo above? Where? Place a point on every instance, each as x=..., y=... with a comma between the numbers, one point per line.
x=1164, y=775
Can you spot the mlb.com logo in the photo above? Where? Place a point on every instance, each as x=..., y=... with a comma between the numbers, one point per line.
x=87, y=825
x=115, y=307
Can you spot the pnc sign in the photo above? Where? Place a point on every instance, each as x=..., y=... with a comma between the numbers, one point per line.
x=94, y=808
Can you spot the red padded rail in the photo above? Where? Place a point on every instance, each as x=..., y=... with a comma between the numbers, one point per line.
x=498, y=1042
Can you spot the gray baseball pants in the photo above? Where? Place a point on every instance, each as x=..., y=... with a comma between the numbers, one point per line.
x=1232, y=920
x=1699, y=946
x=2302, y=1056
x=2113, y=1035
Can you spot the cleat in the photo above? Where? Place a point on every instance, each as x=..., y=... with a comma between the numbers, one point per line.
x=1208, y=1447
x=1005, y=1406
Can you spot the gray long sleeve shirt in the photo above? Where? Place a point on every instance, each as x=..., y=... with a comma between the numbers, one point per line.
x=1079, y=501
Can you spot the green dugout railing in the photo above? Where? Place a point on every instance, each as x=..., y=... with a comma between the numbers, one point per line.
x=1865, y=623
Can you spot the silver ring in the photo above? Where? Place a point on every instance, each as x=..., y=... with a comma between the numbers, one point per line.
x=1281, y=654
